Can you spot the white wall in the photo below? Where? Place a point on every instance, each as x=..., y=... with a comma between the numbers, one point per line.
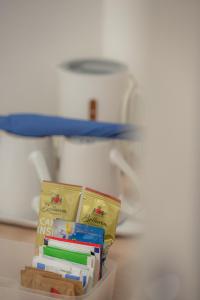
x=35, y=36
x=123, y=32
x=124, y=39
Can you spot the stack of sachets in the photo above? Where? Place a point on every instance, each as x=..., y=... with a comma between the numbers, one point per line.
x=74, y=251
x=75, y=230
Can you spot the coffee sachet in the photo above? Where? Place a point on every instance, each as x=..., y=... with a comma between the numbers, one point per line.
x=56, y=201
x=51, y=285
x=29, y=279
x=98, y=209
x=28, y=274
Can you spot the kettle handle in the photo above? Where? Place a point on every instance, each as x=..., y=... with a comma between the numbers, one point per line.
x=38, y=161
x=117, y=159
x=127, y=209
x=129, y=95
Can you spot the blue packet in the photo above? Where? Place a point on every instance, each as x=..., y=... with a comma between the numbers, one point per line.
x=86, y=237
x=77, y=231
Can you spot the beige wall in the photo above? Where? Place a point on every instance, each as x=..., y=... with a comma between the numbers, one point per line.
x=35, y=36
x=170, y=174
x=158, y=39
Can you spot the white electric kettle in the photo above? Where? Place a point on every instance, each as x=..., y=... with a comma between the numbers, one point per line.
x=94, y=89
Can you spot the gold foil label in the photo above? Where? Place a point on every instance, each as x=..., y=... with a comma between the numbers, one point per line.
x=56, y=201
x=100, y=210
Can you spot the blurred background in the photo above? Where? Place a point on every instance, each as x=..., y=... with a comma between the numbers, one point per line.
x=36, y=36
x=156, y=44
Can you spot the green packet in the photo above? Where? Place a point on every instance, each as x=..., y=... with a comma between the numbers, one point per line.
x=57, y=200
x=101, y=210
x=76, y=257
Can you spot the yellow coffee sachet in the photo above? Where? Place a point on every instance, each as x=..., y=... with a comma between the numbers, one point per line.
x=57, y=200
x=98, y=209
